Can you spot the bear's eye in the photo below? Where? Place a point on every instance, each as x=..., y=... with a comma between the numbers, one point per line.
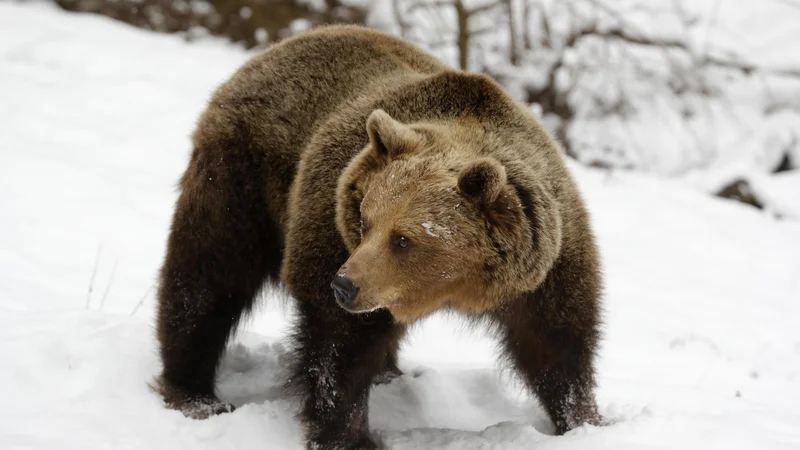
x=400, y=241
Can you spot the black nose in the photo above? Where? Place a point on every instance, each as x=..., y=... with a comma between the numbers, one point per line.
x=344, y=290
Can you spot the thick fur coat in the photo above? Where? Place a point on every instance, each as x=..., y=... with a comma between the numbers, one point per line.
x=348, y=156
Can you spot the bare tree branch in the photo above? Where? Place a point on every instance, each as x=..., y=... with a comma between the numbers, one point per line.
x=513, y=39
x=749, y=68
x=483, y=8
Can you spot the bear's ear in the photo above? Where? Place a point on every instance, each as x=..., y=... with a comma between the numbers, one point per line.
x=388, y=137
x=482, y=181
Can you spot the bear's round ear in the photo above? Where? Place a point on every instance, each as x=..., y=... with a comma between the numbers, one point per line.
x=482, y=181
x=388, y=137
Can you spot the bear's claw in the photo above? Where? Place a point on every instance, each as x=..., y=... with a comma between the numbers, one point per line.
x=193, y=406
x=204, y=408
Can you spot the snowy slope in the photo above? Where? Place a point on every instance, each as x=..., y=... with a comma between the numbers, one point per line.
x=702, y=347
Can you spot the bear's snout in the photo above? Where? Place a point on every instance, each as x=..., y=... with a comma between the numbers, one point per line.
x=345, y=290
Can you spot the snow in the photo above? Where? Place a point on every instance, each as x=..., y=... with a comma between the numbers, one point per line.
x=701, y=348
x=437, y=231
x=637, y=106
x=780, y=193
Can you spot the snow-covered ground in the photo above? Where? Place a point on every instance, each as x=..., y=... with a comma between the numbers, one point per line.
x=701, y=349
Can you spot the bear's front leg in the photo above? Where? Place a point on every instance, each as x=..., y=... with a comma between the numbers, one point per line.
x=565, y=387
x=338, y=356
x=551, y=337
x=556, y=362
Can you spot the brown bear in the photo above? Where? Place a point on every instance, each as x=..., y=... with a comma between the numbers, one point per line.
x=377, y=185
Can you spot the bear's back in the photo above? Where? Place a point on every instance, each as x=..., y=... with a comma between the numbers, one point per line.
x=288, y=90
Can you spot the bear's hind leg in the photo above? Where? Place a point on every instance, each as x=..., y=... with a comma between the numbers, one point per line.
x=222, y=247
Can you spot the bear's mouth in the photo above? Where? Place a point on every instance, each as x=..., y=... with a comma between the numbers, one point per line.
x=363, y=304
x=358, y=309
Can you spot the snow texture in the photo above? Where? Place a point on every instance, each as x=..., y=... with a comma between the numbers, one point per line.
x=651, y=108
x=438, y=231
x=701, y=347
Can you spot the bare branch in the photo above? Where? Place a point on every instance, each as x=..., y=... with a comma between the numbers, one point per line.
x=483, y=8
x=463, y=34
x=622, y=35
x=749, y=68
x=91, y=279
x=513, y=38
x=141, y=300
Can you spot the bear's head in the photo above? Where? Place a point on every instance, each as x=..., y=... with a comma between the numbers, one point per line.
x=433, y=219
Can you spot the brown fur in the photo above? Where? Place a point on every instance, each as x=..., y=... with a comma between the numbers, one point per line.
x=340, y=125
